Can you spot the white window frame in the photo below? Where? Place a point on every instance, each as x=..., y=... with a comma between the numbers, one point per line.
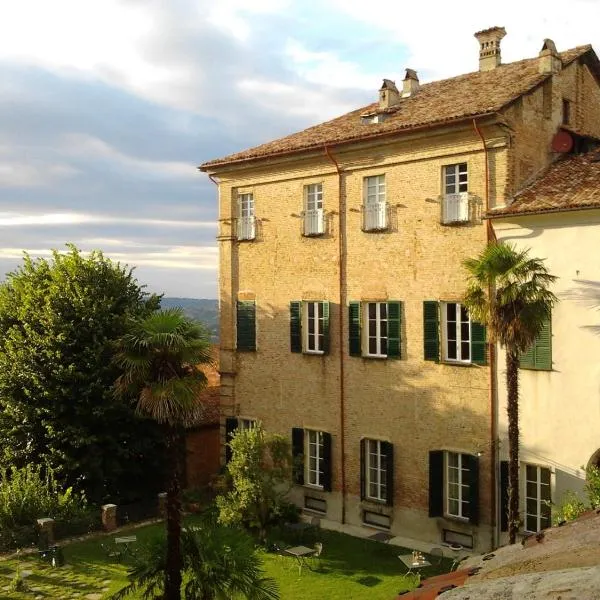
x=314, y=216
x=374, y=203
x=457, y=332
x=461, y=483
x=313, y=342
x=246, y=424
x=246, y=229
x=455, y=183
x=540, y=501
x=313, y=457
x=375, y=476
x=377, y=323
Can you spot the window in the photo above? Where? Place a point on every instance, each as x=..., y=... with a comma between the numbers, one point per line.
x=566, y=111
x=313, y=463
x=449, y=334
x=374, y=203
x=314, y=217
x=454, y=485
x=537, y=498
x=246, y=325
x=457, y=332
x=246, y=225
x=245, y=424
x=309, y=326
x=377, y=470
x=539, y=355
x=375, y=329
x=455, y=205
x=457, y=485
x=311, y=452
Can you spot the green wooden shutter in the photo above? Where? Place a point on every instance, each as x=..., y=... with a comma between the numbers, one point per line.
x=296, y=326
x=298, y=455
x=539, y=355
x=325, y=346
x=473, y=465
x=363, y=470
x=543, y=347
x=231, y=425
x=431, y=330
x=354, y=328
x=436, y=483
x=478, y=344
x=394, y=313
x=326, y=462
x=246, y=325
x=503, y=495
x=388, y=451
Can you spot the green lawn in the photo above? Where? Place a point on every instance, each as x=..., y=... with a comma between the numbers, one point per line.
x=351, y=568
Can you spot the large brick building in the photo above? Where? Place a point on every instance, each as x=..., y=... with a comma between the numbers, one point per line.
x=341, y=277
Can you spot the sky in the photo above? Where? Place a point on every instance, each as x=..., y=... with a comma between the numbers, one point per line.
x=107, y=107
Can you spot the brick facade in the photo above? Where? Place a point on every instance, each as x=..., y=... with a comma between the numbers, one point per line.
x=417, y=405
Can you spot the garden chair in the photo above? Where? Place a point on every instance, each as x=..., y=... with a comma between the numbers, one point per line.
x=437, y=556
x=111, y=553
x=317, y=555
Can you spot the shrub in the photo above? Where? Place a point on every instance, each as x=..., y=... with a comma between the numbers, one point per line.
x=32, y=492
x=592, y=486
x=571, y=507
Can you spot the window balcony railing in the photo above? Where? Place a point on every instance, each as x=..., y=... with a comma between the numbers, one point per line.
x=455, y=208
x=375, y=216
x=314, y=222
x=246, y=228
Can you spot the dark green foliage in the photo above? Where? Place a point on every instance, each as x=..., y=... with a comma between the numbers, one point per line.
x=59, y=319
x=218, y=562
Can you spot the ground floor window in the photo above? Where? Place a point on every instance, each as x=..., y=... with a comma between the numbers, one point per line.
x=537, y=498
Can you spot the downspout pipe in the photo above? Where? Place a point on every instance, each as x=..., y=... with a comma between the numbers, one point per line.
x=342, y=275
x=493, y=404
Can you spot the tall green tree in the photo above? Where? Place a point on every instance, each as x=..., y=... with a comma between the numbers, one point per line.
x=59, y=319
x=509, y=291
x=162, y=356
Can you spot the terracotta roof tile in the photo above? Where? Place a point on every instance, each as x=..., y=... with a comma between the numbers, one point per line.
x=571, y=183
x=465, y=96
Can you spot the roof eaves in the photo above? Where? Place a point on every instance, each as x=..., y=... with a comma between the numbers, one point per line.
x=205, y=167
x=538, y=211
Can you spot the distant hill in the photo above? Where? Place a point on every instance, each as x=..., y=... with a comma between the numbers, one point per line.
x=201, y=309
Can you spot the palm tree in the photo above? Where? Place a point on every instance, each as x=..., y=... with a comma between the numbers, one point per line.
x=509, y=292
x=161, y=356
x=219, y=563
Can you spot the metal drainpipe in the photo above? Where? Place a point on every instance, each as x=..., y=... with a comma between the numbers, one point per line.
x=491, y=237
x=342, y=272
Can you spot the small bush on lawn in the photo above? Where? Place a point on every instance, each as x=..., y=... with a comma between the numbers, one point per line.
x=570, y=508
x=33, y=492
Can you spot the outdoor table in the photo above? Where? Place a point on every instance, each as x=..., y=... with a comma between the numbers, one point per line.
x=125, y=541
x=411, y=564
x=300, y=553
x=381, y=536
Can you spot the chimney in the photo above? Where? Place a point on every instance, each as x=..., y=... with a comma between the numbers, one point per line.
x=549, y=59
x=489, y=47
x=388, y=94
x=410, y=84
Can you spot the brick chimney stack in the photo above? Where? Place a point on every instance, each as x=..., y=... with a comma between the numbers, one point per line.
x=410, y=84
x=388, y=94
x=549, y=61
x=489, y=47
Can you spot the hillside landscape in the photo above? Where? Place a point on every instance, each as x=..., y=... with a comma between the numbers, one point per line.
x=205, y=310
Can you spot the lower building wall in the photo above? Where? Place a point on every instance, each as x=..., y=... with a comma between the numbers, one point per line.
x=203, y=447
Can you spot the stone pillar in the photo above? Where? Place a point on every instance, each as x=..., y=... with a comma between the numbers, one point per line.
x=109, y=517
x=46, y=527
x=162, y=505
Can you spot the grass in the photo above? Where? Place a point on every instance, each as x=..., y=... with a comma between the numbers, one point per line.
x=351, y=568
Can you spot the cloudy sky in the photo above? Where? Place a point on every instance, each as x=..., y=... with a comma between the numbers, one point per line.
x=108, y=106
